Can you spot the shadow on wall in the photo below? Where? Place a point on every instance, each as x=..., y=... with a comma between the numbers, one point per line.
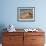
x=2, y=26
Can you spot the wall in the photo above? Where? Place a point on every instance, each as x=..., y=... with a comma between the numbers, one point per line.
x=9, y=13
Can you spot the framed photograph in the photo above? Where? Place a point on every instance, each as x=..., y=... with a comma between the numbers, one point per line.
x=26, y=14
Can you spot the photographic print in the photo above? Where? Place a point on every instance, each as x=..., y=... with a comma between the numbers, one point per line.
x=26, y=14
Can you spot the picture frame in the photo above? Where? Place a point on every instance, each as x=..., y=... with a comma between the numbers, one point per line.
x=26, y=14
